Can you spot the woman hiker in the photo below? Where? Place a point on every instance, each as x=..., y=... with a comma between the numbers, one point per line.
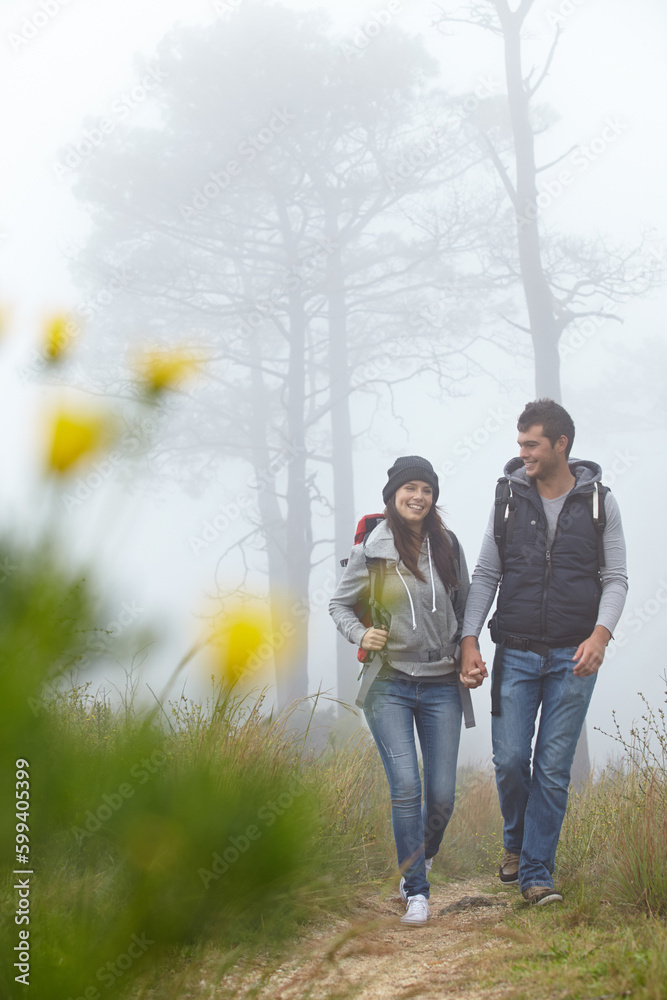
x=412, y=677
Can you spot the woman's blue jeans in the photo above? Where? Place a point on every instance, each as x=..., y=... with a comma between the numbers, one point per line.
x=533, y=804
x=393, y=708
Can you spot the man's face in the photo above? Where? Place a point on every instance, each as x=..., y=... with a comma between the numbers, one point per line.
x=540, y=458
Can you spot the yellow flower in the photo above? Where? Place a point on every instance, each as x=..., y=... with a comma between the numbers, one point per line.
x=163, y=369
x=4, y=320
x=74, y=435
x=59, y=331
x=240, y=646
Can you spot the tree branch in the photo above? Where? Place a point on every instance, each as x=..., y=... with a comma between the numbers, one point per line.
x=547, y=66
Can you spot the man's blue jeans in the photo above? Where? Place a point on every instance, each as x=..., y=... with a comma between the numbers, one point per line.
x=392, y=709
x=533, y=804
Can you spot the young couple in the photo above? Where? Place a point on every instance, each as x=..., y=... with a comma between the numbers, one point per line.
x=562, y=590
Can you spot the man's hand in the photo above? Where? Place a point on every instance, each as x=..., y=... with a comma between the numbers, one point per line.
x=375, y=638
x=590, y=653
x=473, y=667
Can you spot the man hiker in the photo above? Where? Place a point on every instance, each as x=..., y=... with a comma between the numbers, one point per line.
x=555, y=545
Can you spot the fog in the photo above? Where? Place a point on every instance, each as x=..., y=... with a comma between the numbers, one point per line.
x=315, y=198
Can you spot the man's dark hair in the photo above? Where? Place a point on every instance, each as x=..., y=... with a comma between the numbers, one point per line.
x=554, y=420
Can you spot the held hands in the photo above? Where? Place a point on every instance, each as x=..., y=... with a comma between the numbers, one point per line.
x=473, y=667
x=375, y=638
x=590, y=653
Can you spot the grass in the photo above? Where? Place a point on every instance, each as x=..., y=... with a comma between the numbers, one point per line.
x=584, y=949
x=609, y=939
x=191, y=836
x=156, y=834
x=218, y=830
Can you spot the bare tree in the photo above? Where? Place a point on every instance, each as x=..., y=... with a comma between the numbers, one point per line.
x=564, y=281
x=279, y=231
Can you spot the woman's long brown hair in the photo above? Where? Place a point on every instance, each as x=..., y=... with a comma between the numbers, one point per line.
x=408, y=544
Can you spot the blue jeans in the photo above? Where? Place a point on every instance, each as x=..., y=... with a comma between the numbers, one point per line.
x=392, y=709
x=533, y=804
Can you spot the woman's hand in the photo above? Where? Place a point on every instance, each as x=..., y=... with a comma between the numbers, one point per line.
x=375, y=638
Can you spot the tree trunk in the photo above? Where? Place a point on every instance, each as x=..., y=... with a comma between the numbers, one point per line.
x=547, y=368
x=273, y=526
x=544, y=330
x=539, y=300
x=292, y=678
x=288, y=536
x=342, y=465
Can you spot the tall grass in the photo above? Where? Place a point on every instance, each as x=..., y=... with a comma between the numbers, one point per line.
x=473, y=841
x=217, y=828
x=154, y=832
x=615, y=832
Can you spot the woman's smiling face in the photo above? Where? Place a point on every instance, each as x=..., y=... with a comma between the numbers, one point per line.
x=413, y=501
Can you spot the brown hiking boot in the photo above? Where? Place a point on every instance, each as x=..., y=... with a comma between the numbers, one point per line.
x=509, y=867
x=541, y=894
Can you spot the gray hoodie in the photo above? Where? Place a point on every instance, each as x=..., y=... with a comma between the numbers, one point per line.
x=422, y=615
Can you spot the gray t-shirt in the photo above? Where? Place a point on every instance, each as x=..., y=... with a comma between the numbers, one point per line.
x=552, y=509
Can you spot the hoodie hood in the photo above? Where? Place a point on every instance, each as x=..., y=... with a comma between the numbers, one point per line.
x=586, y=473
x=380, y=543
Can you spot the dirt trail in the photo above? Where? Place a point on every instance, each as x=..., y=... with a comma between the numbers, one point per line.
x=375, y=957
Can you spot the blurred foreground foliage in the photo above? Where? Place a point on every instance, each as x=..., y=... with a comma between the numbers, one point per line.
x=160, y=838
x=148, y=831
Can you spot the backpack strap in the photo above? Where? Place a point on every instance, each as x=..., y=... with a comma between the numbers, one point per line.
x=457, y=603
x=456, y=548
x=380, y=617
x=504, y=513
x=596, y=505
x=376, y=571
x=369, y=672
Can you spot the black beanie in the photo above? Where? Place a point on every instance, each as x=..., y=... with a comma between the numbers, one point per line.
x=409, y=468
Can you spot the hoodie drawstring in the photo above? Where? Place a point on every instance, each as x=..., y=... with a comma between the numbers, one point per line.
x=430, y=566
x=407, y=590
x=412, y=607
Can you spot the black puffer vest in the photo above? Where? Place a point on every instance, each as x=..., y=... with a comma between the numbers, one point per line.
x=552, y=597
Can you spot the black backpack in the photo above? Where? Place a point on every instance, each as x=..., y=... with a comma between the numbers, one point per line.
x=505, y=509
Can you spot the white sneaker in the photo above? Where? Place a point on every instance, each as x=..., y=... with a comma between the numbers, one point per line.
x=401, y=888
x=417, y=913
